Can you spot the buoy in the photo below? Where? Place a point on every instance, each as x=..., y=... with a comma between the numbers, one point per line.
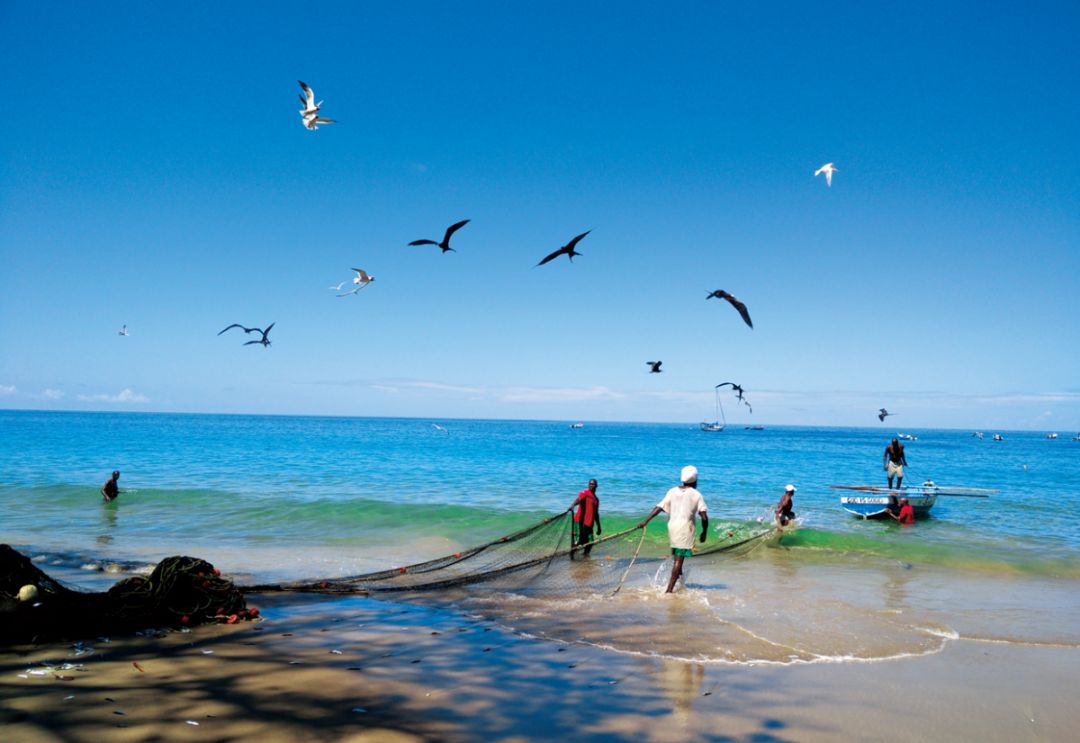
x=28, y=592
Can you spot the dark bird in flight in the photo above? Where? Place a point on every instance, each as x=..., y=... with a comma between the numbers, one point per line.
x=738, y=393
x=567, y=250
x=721, y=294
x=655, y=366
x=882, y=413
x=265, y=340
x=445, y=244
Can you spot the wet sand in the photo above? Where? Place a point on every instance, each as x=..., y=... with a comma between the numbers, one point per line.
x=361, y=669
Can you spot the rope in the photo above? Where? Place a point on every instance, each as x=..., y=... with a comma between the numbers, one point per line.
x=632, y=560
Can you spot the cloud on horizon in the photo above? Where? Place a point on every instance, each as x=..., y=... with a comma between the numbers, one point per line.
x=125, y=395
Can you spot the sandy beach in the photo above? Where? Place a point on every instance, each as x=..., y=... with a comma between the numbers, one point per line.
x=363, y=669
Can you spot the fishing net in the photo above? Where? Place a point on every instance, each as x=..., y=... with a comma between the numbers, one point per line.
x=540, y=559
x=180, y=591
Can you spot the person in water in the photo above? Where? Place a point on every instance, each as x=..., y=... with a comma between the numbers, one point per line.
x=784, y=513
x=894, y=463
x=110, y=489
x=586, y=517
x=906, y=517
x=682, y=505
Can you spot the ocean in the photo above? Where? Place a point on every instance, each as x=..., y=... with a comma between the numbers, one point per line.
x=275, y=498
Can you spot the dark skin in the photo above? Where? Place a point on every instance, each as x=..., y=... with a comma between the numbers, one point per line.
x=782, y=506
x=596, y=518
x=895, y=452
x=677, y=563
x=111, y=489
x=895, y=517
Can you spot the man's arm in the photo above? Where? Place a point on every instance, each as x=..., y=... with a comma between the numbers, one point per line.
x=885, y=461
x=649, y=518
x=704, y=525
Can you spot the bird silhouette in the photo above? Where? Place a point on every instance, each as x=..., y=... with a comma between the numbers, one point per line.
x=361, y=280
x=445, y=244
x=721, y=294
x=655, y=366
x=737, y=388
x=882, y=413
x=123, y=331
x=828, y=169
x=567, y=249
x=265, y=341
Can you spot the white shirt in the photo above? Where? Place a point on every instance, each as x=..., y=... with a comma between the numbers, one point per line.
x=682, y=505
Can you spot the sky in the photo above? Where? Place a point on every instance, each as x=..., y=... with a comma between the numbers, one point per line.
x=155, y=173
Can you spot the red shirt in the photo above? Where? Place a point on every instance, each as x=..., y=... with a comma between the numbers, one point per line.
x=587, y=506
x=907, y=514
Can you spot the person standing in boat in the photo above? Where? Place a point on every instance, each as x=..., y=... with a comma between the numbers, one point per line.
x=894, y=463
x=682, y=504
x=586, y=517
x=784, y=509
x=906, y=517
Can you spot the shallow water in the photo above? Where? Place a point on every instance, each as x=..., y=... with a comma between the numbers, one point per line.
x=295, y=497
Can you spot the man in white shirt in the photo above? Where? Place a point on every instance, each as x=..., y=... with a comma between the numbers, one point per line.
x=682, y=504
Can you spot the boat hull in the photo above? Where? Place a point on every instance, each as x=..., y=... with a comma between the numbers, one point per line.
x=873, y=506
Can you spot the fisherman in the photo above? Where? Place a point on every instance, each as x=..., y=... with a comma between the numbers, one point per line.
x=682, y=505
x=906, y=517
x=110, y=489
x=586, y=516
x=784, y=512
x=894, y=463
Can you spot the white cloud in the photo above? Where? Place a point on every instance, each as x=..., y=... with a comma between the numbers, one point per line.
x=51, y=394
x=558, y=394
x=7, y=389
x=125, y=395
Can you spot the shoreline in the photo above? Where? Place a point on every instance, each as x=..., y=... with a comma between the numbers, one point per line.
x=365, y=669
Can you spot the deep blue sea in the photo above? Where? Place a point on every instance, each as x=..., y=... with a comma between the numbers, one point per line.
x=267, y=497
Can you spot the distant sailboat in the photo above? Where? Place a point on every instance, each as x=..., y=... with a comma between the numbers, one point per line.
x=720, y=421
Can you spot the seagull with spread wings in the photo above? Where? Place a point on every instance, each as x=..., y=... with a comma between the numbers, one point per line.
x=882, y=414
x=123, y=331
x=828, y=169
x=265, y=340
x=721, y=294
x=655, y=367
x=567, y=250
x=308, y=99
x=738, y=393
x=361, y=280
x=445, y=244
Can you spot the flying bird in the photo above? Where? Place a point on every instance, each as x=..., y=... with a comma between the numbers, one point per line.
x=721, y=294
x=308, y=99
x=828, y=169
x=882, y=414
x=737, y=389
x=338, y=287
x=567, y=249
x=655, y=366
x=437, y=427
x=445, y=244
x=361, y=280
x=123, y=331
x=312, y=121
x=265, y=340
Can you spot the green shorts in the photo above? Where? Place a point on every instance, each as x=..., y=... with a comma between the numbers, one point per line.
x=680, y=552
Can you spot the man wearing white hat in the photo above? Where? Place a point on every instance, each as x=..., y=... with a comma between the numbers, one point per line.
x=784, y=512
x=682, y=504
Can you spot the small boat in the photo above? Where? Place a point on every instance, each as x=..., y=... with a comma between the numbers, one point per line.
x=978, y=434
x=1076, y=437
x=873, y=501
x=577, y=425
x=1051, y=435
x=718, y=424
x=906, y=437
x=754, y=428
x=998, y=437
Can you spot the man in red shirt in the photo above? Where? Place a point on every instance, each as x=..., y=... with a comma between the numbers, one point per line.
x=586, y=516
x=906, y=517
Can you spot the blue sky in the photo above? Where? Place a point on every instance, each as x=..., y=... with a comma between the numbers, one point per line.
x=154, y=172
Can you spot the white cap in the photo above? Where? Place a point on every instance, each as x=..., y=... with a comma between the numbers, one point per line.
x=789, y=488
x=689, y=473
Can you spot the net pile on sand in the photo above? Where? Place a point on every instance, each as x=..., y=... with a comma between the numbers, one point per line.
x=540, y=559
x=180, y=591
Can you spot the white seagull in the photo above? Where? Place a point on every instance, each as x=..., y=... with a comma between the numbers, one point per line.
x=312, y=121
x=338, y=287
x=361, y=280
x=308, y=99
x=123, y=331
x=828, y=169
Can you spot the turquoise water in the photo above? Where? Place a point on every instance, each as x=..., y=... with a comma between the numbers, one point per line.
x=250, y=485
